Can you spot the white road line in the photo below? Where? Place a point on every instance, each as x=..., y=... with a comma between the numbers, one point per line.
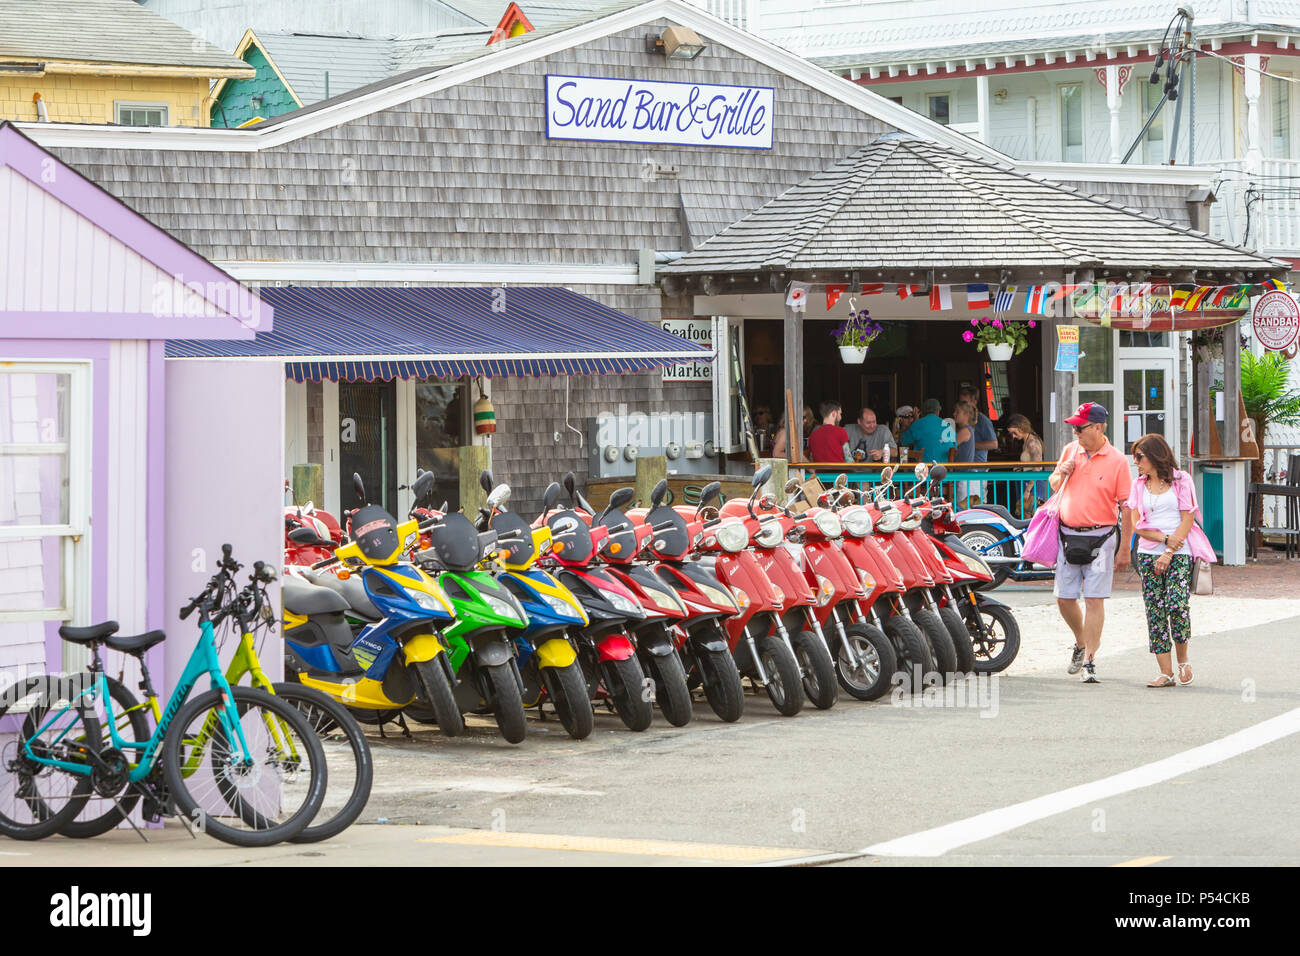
x=940, y=840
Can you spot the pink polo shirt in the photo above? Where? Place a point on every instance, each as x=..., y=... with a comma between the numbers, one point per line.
x=1099, y=484
x=1185, y=489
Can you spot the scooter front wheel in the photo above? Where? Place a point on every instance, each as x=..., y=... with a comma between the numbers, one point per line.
x=819, y=682
x=1000, y=643
x=567, y=688
x=941, y=645
x=869, y=679
x=507, y=704
x=961, y=641
x=627, y=685
x=914, y=659
x=671, y=692
x=784, y=682
x=721, y=680
x=436, y=691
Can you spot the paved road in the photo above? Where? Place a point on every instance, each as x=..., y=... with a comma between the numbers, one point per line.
x=829, y=785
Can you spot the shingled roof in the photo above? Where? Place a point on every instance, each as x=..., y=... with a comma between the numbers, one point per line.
x=906, y=203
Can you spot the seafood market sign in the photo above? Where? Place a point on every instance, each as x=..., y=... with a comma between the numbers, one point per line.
x=662, y=113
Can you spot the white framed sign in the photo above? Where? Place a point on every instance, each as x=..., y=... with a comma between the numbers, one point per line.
x=697, y=332
x=660, y=112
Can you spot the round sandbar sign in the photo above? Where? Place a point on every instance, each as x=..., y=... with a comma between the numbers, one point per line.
x=1276, y=320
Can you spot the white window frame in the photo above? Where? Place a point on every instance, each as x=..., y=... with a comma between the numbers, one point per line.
x=75, y=582
x=1290, y=118
x=724, y=388
x=1060, y=120
x=119, y=105
x=952, y=106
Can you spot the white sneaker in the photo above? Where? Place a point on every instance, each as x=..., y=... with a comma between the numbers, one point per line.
x=1076, y=659
x=1090, y=673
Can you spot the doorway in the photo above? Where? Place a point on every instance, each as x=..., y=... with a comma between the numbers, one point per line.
x=368, y=442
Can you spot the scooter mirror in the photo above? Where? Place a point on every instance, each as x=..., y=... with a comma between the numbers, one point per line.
x=422, y=487
x=551, y=497
x=305, y=537
x=499, y=496
x=761, y=476
x=658, y=493
x=921, y=470
x=887, y=475
x=938, y=473
x=620, y=498
x=841, y=480
x=485, y=480
x=791, y=485
x=359, y=487
x=570, y=485
x=710, y=492
x=767, y=502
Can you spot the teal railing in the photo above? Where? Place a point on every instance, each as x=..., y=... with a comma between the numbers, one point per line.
x=1018, y=487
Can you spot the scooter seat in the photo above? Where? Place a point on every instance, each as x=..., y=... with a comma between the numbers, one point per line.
x=308, y=599
x=87, y=635
x=352, y=590
x=1005, y=515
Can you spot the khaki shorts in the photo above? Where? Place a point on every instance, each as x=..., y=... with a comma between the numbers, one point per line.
x=1087, y=580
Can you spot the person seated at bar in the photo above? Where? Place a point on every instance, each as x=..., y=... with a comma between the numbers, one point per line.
x=904, y=415
x=829, y=441
x=868, y=441
x=929, y=436
x=964, y=415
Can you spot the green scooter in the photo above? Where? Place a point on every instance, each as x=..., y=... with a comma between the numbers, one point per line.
x=480, y=642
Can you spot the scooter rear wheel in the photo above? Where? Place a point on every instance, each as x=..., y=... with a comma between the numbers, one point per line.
x=961, y=641
x=871, y=680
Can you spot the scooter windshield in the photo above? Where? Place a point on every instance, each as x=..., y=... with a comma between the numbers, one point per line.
x=514, y=534
x=455, y=540
x=622, y=536
x=674, y=540
x=376, y=533
x=572, y=537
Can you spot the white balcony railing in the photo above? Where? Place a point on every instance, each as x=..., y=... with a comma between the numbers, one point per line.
x=1261, y=210
x=739, y=13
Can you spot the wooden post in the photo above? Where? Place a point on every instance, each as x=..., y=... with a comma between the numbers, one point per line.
x=780, y=473
x=473, y=460
x=649, y=472
x=1231, y=391
x=1204, y=416
x=794, y=382
x=308, y=484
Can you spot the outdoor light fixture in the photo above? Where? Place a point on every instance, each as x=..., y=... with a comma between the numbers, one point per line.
x=676, y=43
x=1000, y=96
x=256, y=102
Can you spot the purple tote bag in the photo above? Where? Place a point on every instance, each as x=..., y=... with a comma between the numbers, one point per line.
x=1042, y=537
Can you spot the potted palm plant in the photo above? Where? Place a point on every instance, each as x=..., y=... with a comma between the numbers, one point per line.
x=855, y=335
x=1003, y=338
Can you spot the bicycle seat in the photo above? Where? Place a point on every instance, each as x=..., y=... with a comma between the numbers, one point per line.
x=87, y=635
x=136, y=643
x=1004, y=514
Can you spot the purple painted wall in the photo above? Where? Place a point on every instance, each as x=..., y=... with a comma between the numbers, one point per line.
x=224, y=484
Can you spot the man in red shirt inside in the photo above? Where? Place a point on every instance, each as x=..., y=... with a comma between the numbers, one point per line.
x=1093, y=480
x=828, y=439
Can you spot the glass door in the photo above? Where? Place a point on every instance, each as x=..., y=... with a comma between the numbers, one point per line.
x=1146, y=401
x=368, y=443
x=440, y=430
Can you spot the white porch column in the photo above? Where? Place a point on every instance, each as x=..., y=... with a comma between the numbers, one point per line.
x=1251, y=87
x=982, y=107
x=1112, y=103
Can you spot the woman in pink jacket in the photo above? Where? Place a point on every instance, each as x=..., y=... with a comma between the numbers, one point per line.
x=1166, y=519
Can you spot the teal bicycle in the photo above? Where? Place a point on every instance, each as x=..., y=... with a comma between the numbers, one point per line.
x=241, y=764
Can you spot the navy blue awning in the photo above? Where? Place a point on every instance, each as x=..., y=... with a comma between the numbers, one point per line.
x=352, y=333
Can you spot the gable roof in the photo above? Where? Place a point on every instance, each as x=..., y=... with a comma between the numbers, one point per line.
x=158, y=288
x=106, y=31
x=905, y=203
x=506, y=54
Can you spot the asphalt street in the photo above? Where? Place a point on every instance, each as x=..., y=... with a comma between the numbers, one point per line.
x=833, y=787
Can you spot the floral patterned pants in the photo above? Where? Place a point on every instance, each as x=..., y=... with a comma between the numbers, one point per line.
x=1167, y=597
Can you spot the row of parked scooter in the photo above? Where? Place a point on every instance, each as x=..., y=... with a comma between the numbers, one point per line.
x=798, y=595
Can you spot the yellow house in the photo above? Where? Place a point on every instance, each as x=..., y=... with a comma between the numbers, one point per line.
x=105, y=61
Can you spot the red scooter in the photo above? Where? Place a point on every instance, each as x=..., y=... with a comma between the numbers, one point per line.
x=609, y=659
x=653, y=635
x=702, y=641
x=761, y=655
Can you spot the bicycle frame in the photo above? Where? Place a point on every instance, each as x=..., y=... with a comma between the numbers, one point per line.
x=203, y=660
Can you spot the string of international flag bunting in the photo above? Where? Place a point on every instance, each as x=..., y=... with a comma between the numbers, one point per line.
x=1101, y=298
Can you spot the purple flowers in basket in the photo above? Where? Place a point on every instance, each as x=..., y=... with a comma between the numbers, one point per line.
x=859, y=330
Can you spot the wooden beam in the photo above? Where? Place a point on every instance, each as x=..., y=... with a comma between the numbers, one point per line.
x=793, y=342
x=650, y=470
x=474, y=459
x=1231, y=391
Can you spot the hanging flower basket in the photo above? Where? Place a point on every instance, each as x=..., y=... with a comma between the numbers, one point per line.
x=1002, y=338
x=855, y=335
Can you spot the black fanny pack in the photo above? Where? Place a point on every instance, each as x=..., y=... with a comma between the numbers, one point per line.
x=1084, y=548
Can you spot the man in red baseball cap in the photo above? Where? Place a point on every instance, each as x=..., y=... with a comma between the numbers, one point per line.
x=1093, y=479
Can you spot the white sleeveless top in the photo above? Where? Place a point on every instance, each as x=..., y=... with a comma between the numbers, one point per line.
x=1165, y=517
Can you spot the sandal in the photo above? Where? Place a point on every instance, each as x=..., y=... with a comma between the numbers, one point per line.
x=1164, y=680
x=1185, y=669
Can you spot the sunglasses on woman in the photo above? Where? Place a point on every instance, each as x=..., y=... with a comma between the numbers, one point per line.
x=1138, y=456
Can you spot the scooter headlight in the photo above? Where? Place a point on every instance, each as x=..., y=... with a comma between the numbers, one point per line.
x=719, y=596
x=769, y=535
x=742, y=599
x=624, y=604
x=913, y=522
x=978, y=565
x=665, y=600
x=561, y=606
x=868, y=582
x=732, y=536
x=858, y=522
x=503, y=607
x=828, y=523
x=825, y=590
x=890, y=521
x=426, y=601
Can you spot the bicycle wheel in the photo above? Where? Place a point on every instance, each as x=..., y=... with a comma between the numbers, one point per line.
x=347, y=755
x=35, y=799
x=265, y=798
x=103, y=813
